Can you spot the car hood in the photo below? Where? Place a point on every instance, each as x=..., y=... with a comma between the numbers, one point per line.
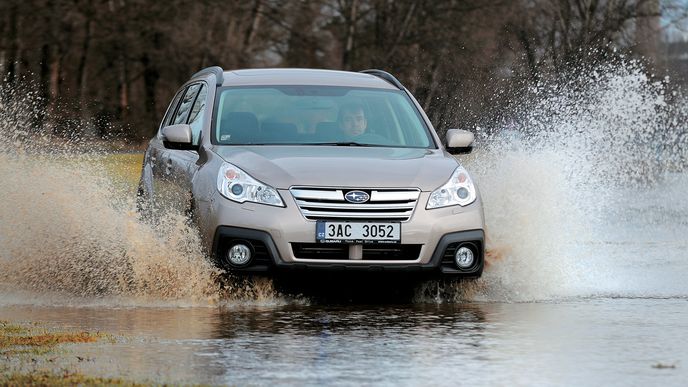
x=356, y=167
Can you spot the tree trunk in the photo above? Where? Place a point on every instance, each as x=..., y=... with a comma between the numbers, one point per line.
x=45, y=72
x=151, y=74
x=123, y=87
x=231, y=59
x=524, y=39
x=208, y=40
x=250, y=36
x=648, y=32
x=434, y=84
x=14, y=61
x=82, y=75
x=402, y=32
x=351, y=20
x=43, y=116
x=4, y=33
x=54, y=81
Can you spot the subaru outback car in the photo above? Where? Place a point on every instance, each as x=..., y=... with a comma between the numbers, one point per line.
x=302, y=169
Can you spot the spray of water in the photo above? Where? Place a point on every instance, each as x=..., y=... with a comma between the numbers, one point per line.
x=64, y=232
x=69, y=232
x=559, y=177
x=553, y=178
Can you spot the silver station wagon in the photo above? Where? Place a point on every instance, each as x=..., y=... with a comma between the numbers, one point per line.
x=299, y=169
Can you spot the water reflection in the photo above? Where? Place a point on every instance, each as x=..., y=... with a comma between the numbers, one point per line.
x=496, y=344
x=289, y=344
x=349, y=344
x=318, y=320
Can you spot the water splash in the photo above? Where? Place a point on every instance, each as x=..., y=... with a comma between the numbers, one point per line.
x=583, y=179
x=559, y=181
x=65, y=231
x=69, y=233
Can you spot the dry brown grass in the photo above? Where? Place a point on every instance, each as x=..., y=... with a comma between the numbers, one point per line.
x=47, y=339
x=12, y=335
x=29, y=343
x=60, y=379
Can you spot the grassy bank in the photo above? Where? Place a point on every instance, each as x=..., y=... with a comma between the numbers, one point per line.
x=60, y=379
x=27, y=349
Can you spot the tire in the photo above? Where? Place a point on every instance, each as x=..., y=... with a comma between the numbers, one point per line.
x=144, y=205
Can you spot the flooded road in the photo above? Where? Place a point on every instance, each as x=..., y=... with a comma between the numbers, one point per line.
x=587, y=226
x=585, y=342
x=615, y=315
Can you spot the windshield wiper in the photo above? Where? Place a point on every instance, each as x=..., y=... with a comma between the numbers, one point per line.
x=343, y=143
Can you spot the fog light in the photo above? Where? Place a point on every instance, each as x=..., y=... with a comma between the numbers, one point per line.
x=239, y=254
x=464, y=257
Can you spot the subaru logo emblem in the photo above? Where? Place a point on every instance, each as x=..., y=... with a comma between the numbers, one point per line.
x=356, y=197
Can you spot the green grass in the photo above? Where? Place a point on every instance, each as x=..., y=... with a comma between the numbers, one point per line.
x=125, y=168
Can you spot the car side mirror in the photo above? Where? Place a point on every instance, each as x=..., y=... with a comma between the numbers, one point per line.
x=178, y=137
x=459, y=141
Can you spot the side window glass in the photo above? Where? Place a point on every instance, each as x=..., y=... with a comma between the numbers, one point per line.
x=182, y=114
x=171, y=109
x=197, y=113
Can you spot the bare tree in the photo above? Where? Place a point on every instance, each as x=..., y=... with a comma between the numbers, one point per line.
x=116, y=63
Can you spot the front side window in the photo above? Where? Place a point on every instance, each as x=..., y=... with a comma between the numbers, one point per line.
x=182, y=114
x=171, y=109
x=197, y=114
x=318, y=115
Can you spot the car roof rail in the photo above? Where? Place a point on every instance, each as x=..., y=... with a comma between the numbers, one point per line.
x=217, y=70
x=384, y=75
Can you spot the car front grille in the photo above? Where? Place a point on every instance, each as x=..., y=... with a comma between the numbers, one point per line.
x=371, y=252
x=329, y=203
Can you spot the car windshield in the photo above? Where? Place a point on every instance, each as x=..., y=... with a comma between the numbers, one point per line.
x=318, y=115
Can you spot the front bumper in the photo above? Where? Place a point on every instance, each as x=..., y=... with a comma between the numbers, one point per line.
x=280, y=235
x=267, y=256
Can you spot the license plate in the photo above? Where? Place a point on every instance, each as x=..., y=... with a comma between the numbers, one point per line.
x=357, y=232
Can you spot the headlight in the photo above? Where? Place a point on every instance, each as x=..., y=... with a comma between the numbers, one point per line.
x=235, y=184
x=458, y=190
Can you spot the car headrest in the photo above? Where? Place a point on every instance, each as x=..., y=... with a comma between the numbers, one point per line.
x=278, y=131
x=239, y=128
x=326, y=127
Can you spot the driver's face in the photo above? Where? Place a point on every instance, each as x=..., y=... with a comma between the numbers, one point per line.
x=353, y=123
